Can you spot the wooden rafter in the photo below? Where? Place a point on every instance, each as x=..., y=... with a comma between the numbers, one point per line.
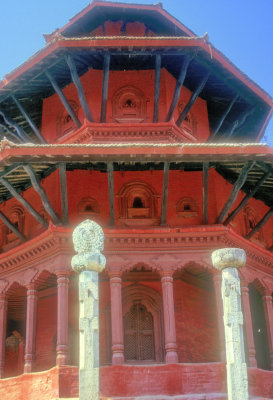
x=220, y=123
x=192, y=99
x=12, y=227
x=63, y=190
x=164, y=200
x=104, y=95
x=23, y=201
x=42, y=193
x=261, y=223
x=28, y=119
x=238, y=123
x=21, y=134
x=78, y=84
x=205, y=191
x=63, y=99
x=178, y=86
x=110, y=172
x=11, y=133
x=234, y=192
x=246, y=198
x=157, y=86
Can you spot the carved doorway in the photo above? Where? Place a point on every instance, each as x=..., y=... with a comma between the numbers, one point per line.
x=139, y=334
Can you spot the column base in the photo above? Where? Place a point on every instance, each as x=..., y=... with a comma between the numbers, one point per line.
x=117, y=359
x=171, y=357
x=252, y=362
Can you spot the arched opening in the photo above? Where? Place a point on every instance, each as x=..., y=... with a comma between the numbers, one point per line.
x=139, y=334
x=259, y=327
x=128, y=105
x=137, y=203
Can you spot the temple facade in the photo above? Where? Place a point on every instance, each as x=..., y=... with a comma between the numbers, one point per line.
x=129, y=119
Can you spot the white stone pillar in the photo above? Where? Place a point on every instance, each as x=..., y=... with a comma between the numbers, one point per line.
x=88, y=239
x=228, y=261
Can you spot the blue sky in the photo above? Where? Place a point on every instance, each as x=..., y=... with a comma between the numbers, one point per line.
x=241, y=29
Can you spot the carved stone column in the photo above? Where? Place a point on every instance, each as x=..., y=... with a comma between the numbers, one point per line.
x=228, y=261
x=116, y=318
x=248, y=326
x=268, y=313
x=217, y=283
x=62, y=317
x=88, y=239
x=31, y=326
x=169, y=317
x=3, y=328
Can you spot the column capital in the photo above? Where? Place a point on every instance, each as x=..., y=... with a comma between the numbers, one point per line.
x=228, y=258
x=62, y=273
x=115, y=275
x=166, y=274
x=166, y=262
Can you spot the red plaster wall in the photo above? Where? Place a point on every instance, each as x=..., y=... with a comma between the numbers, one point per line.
x=196, y=323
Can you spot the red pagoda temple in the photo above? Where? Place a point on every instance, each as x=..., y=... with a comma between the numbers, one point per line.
x=127, y=118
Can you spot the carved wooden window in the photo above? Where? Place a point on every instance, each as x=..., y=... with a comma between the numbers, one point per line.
x=187, y=207
x=138, y=201
x=65, y=123
x=139, y=334
x=88, y=206
x=128, y=105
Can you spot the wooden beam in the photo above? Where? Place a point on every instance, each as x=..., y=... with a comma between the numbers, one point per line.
x=104, y=95
x=63, y=99
x=63, y=190
x=25, y=203
x=246, y=198
x=78, y=84
x=165, y=194
x=192, y=100
x=12, y=227
x=239, y=122
x=11, y=133
x=110, y=172
x=220, y=123
x=42, y=193
x=261, y=223
x=157, y=86
x=178, y=86
x=29, y=120
x=205, y=191
x=22, y=135
x=235, y=190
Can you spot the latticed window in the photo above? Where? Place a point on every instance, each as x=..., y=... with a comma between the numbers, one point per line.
x=139, y=334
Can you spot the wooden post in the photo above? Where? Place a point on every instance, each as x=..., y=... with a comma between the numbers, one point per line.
x=246, y=198
x=24, y=202
x=104, y=95
x=178, y=86
x=157, y=86
x=261, y=223
x=165, y=193
x=63, y=99
x=217, y=283
x=63, y=190
x=111, y=192
x=268, y=313
x=42, y=193
x=192, y=100
x=234, y=192
x=248, y=326
x=205, y=191
x=29, y=120
x=78, y=84
x=3, y=329
x=31, y=325
x=62, y=318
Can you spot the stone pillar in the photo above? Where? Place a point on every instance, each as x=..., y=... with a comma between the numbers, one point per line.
x=169, y=317
x=3, y=328
x=116, y=318
x=228, y=261
x=248, y=326
x=31, y=326
x=268, y=313
x=88, y=239
x=217, y=282
x=62, y=318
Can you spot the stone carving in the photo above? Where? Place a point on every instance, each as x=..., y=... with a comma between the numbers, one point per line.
x=229, y=260
x=88, y=239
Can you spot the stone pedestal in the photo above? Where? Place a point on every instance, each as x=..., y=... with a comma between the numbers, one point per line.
x=31, y=326
x=228, y=261
x=169, y=317
x=88, y=241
